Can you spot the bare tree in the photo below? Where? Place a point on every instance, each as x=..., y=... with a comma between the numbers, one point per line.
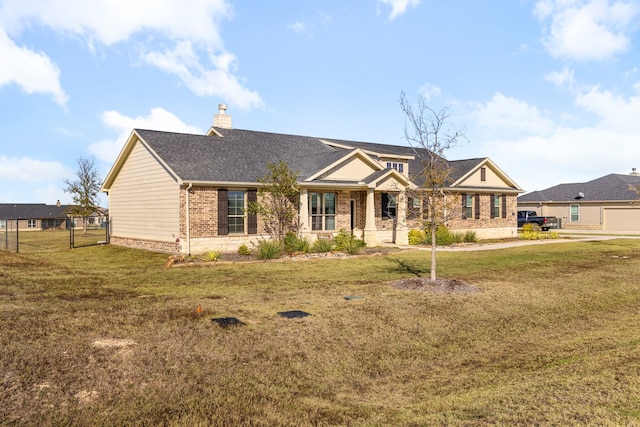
x=278, y=200
x=84, y=190
x=427, y=131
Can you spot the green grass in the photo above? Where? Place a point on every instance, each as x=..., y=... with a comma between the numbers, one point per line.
x=553, y=338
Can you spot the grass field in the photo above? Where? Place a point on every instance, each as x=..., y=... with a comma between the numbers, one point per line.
x=105, y=336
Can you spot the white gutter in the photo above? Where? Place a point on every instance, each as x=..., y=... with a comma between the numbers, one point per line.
x=188, y=220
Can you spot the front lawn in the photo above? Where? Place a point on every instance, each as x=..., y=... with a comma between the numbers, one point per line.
x=107, y=336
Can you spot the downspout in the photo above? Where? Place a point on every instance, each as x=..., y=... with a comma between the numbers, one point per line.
x=188, y=220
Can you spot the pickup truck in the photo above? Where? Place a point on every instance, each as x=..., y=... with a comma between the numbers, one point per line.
x=531, y=217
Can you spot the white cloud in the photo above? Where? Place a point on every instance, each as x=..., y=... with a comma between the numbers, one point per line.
x=398, y=7
x=503, y=114
x=298, y=27
x=158, y=119
x=26, y=169
x=198, y=58
x=429, y=91
x=219, y=81
x=616, y=112
x=586, y=29
x=562, y=78
x=32, y=71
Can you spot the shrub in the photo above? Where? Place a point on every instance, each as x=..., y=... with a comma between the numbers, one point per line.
x=269, y=249
x=348, y=243
x=418, y=237
x=294, y=243
x=322, y=245
x=212, y=255
x=244, y=250
x=470, y=237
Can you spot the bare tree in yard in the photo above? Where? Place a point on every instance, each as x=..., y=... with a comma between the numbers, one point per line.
x=277, y=203
x=427, y=131
x=84, y=190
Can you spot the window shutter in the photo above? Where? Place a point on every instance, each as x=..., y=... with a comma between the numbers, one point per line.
x=411, y=211
x=464, y=206
x=477, y=203
x=252, y=219
x=493, y=203
x=385, y=204
x=504, y=206
x=223, y=212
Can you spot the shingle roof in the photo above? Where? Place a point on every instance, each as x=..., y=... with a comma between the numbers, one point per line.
x=242, y=155
x=610, y=187
x=32, y=211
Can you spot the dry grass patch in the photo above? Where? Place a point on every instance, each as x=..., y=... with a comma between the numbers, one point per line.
x=107, y=336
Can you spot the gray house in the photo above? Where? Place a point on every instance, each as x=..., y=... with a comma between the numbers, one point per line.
x=611, y=202
x=34, y=216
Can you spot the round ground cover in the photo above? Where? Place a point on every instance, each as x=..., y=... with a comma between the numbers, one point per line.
x=438, y=286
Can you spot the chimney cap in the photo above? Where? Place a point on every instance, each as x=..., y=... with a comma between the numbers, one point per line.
x=222, y=108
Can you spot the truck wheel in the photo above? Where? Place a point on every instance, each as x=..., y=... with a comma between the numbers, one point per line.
x=535, y=227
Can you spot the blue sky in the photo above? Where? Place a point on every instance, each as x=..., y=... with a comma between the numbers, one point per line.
x=548, y=89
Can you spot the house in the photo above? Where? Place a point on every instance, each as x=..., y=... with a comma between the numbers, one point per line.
x=33, y=216
x=188, y=193
x=610, y=202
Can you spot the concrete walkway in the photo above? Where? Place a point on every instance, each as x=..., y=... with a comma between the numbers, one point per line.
x=565, y=236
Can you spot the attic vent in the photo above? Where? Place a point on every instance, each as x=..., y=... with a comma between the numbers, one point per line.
x=580, y=195
x=222, y=120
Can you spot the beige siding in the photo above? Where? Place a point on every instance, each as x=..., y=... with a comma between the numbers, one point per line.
x=492, y=179
x=144, y=199
x=354, y=168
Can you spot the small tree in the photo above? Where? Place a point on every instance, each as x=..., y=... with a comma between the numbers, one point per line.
x=277, y=203
x=427, y=132
x=84, y=190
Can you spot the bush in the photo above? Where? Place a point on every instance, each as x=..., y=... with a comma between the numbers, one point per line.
x=348, y=243
x=470, y=237
x=418, y=237
x=269, y=249
x=322, y=245
x=244, y=250
x=532, y=232
x=212, y=255
x=294, y=243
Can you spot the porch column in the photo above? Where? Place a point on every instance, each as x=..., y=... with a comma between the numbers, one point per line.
x=402, y=233
x=304, y=212
x=370, y=231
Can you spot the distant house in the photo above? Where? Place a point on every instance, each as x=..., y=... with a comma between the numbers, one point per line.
x=188, y=193
x=606, y=203
x=40, y=216
x=34, y=216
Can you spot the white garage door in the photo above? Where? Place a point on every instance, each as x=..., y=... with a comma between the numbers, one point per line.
x=622, y=219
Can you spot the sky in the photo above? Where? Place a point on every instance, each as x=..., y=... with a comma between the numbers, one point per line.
x=549, y=90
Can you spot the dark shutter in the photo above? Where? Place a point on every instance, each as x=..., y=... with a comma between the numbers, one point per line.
x=493, y=203
x=411, y=211
x=477, y=203
x=252, y=218
x=385, y=205
x=223, y=212
x=483, y=174
x=504, y=206
x=464, y=206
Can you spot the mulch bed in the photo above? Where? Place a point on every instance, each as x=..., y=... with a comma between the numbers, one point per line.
x=438, y=286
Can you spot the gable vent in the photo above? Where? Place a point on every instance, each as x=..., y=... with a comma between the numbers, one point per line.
x=222, y=120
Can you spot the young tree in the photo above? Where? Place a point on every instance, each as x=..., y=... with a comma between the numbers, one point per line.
x=277, y=203
x=427, y=131
x=84, y=190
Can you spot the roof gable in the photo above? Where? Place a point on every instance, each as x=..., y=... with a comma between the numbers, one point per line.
x=470, y=174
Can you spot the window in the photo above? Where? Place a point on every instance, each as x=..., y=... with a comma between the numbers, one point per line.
x=389, y=207
x=397, y=166
x=495, y=206
x=236, y=212
x=3, y=223
x=31, y=223
x=323, y=211
x=575, y=213
x=467, y=206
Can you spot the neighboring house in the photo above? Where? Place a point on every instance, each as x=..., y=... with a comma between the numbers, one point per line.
x=33, y=216
x=606, y=203
x=188, y=193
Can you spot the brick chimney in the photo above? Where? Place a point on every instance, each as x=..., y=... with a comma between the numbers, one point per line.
x=222, y=120
x=58, y=203
x=634, y=172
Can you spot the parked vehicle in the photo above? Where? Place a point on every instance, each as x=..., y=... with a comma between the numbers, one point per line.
x=531, y=217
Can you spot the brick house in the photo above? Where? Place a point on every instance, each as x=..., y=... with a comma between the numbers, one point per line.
x=188, y=193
